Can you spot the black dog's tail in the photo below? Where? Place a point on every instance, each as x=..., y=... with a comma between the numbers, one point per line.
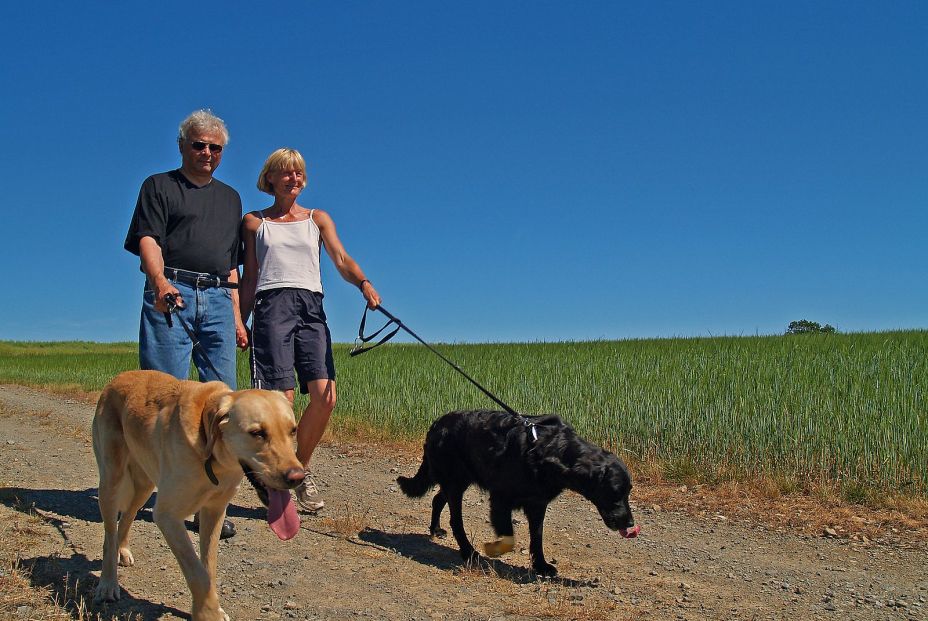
x=417, y=486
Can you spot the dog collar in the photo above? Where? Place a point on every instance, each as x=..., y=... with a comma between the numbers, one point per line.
x=208, y=466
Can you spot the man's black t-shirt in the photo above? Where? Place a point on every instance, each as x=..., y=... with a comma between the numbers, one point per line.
x=197, y=228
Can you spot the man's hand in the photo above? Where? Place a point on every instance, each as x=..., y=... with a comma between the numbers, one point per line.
x=162, y=288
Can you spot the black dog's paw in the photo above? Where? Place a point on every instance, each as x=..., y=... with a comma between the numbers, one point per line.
x=545, y=569
x=438, y=533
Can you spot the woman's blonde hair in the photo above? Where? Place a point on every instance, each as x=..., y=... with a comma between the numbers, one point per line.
x=281, y=159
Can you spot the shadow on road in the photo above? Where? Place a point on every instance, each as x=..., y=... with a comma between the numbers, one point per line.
x=82, y=505
x=71, y=583
x=69, y=579
x=423, y=549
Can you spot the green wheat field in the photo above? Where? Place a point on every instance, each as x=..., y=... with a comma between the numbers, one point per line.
x=845, y=409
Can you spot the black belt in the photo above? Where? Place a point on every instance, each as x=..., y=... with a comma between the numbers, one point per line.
x=198, y=280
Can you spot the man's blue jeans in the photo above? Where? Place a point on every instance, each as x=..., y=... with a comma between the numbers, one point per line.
x=208, y=312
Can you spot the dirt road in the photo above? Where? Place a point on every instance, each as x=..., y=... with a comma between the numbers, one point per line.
x=368, y=556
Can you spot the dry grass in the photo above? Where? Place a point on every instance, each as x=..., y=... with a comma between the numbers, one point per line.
x=20, y=597
x=347, y=524
x=782, y=506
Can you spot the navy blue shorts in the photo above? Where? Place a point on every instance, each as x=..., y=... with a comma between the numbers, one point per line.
x=289, y=333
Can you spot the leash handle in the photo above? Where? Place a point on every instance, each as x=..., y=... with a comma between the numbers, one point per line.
x=359, y=348
x=171, y=302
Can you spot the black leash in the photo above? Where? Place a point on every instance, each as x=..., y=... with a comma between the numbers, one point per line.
x=359, y=348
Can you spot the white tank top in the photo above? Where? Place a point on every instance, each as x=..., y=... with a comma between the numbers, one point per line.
x=288, y=255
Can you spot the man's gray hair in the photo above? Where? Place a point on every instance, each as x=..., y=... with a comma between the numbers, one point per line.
x=202, y=121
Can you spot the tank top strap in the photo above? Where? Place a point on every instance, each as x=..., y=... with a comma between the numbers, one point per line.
x=311, y=212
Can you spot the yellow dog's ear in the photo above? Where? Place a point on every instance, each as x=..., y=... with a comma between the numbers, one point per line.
x=215, y=416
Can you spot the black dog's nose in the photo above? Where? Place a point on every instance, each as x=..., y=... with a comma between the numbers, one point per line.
x=295, y=476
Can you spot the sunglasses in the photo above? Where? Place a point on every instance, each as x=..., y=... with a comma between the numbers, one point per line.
x=199, y=146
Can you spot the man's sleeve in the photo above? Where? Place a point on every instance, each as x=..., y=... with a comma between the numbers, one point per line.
x=149, y=218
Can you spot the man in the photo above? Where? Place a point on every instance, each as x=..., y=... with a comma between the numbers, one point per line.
x=185, y=230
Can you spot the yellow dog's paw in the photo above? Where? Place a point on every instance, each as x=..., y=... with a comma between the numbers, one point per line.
x=499, y=547
x=214, y=614
x=107, y=592
x=125, y=557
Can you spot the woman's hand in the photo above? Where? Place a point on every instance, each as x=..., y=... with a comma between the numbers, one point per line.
x=370, y=294
x=241, y=336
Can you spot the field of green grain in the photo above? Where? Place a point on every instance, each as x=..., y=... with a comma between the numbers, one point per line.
x=846, y=409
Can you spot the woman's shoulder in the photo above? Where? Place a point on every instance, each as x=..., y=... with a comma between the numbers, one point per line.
x=320, y=216
x=252, y=220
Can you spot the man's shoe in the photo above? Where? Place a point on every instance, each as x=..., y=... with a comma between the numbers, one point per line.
x=227, y=530
x=307, y=495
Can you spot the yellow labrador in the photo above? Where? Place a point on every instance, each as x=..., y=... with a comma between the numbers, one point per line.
x=193, y=442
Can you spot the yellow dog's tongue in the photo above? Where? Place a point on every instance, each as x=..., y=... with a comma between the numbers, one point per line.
x=282, y=515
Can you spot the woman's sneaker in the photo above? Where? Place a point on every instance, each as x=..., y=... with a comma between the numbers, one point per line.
x=307, y=495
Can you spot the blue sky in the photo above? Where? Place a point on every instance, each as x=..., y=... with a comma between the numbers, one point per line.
x=503, y=171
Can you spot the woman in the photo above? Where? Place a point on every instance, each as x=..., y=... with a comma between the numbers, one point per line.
x=282, y=283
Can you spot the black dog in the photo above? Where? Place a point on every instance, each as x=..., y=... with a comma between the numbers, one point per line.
x=524, y=462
